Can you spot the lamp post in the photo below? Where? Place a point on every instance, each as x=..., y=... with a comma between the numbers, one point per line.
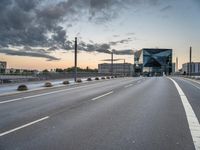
x=111, y=63
x=124, y=67
x=75, y=60
x=190, y=64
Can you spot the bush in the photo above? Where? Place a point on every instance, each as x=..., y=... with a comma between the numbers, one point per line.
x=115, y=76
x=89, y=79
x=22, y=87
x=103, y=78
x=112, y=77
x=78, y=80
x=107, y=77
x=66, y=82
x=96, y=78
x=48, y=84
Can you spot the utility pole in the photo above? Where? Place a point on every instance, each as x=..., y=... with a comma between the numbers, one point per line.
x=176, y=64
x=190, y=64
x=124, y=67
x=75, y=60
x=112, y=63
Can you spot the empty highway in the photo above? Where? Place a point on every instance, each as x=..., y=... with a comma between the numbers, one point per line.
x=155, y=113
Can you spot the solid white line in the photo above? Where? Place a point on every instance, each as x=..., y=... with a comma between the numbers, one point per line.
x=192, y=83
x=191, y=117
x=102, y=95
x=193, y=80
x=128, y=85
x=23, y=126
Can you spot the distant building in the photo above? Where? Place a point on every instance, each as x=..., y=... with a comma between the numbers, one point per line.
x=3, y=66
x=173, y=68
x=153, y=61
x=21, y=71
x=118, y=68
x=195, y=68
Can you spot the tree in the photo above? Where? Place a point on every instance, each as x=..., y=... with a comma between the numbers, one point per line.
x=45, y=71
x=59, y=70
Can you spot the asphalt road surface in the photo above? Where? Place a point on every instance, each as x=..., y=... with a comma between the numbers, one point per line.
x=117, y=114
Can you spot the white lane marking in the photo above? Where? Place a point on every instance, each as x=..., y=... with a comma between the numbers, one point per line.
x=23, y=126
x=44, y=94
x=191, y=117
x=102, y=95
x=191, y=83
x=193, y=80
x=128, y=85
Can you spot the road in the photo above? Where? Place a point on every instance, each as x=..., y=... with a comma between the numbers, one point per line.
x=118, y=114
x=35, y=85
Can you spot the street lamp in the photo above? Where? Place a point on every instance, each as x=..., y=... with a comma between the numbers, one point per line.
x=190, y=63
x=112, y=63
x=75, y=60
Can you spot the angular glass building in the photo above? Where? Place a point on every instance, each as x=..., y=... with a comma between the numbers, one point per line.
x=153, y=62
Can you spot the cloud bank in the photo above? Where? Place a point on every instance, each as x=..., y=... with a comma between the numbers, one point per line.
x=39, y=23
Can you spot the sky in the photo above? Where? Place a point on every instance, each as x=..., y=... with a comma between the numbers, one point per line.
x=39, y=34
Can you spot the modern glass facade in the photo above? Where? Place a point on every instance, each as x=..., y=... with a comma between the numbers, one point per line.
x=154, y=61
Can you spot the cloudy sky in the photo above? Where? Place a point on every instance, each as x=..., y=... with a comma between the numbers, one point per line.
x=39, y=34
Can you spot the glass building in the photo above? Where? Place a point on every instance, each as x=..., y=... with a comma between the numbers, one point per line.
x=153, y=62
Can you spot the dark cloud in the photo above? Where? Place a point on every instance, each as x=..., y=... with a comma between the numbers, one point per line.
x=130, y=33
x=53, y=48
x=104, y=48
x=27, y=53
x=124, y=41
x=166, y=8
x=116, y=35
x=27, y=5
x=110, y=59
x=92, y=47
x=40, y=23
x=69, y=25
x=123, y=52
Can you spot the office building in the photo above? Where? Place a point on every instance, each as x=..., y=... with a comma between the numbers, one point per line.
x=118, y=69
x=195, y=68
x=153, y=62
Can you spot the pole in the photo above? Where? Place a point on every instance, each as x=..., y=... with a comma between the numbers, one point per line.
x=176, y=64
x=75, y=61
x=190, y=64
x=124, y=68
x=112, y=63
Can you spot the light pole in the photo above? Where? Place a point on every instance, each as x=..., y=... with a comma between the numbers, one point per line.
x=111, y=63
x=75, y=60
x=190, y=64
x=123, y=65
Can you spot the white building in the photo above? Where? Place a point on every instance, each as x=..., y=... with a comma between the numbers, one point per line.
x=195, y=68
x=118, y=68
